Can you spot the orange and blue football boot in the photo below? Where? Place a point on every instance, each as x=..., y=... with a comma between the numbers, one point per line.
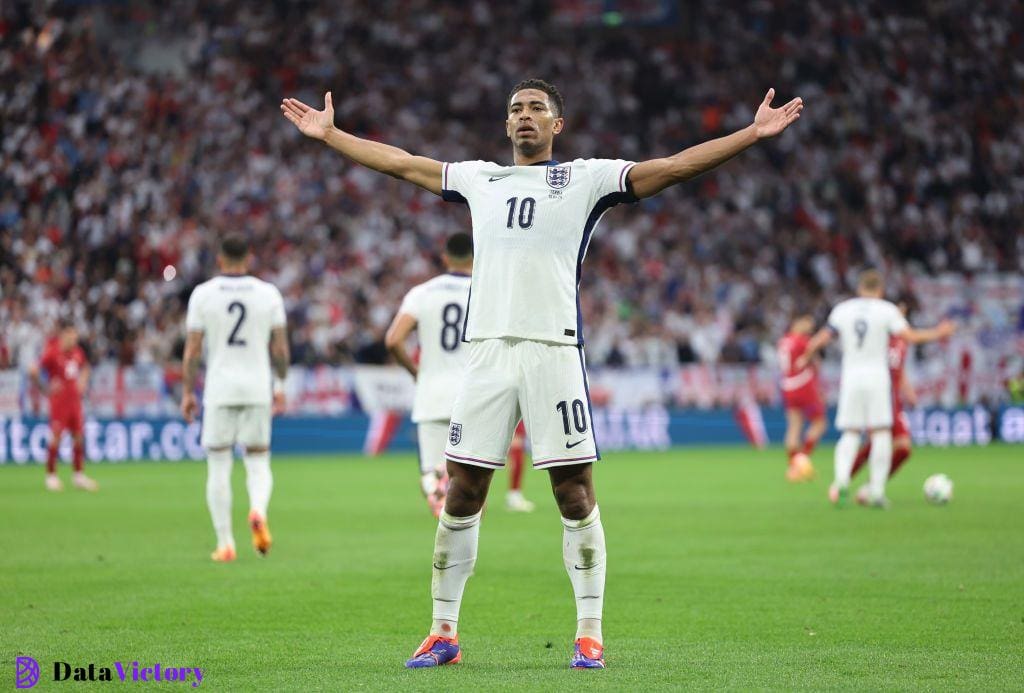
x=588, y=654
x=261, y=539
x=435, y=651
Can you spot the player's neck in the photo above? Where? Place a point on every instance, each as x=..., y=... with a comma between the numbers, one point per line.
x=520, y=158
x=233, y=272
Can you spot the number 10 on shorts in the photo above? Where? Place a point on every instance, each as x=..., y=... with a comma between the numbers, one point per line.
x=579, y=415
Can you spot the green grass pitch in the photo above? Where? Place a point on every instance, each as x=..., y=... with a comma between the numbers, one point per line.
x=721, y=575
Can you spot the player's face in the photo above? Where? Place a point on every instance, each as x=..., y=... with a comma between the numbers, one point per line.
x=68, y=338
x=531, y=123
x=803, y=325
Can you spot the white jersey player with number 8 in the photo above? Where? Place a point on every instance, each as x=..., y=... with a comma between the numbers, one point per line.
x=436, y=310
x=864, y=325
x=241, y=321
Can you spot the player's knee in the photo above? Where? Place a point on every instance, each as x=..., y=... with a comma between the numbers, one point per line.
x=467, y=489
x=575, y=497
x=256, y=449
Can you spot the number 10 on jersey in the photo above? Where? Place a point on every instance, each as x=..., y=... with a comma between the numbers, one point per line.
x=525, y=211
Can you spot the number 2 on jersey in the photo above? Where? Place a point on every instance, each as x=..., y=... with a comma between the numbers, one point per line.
x=236, y=307
x=526, y=209
x=451, y=316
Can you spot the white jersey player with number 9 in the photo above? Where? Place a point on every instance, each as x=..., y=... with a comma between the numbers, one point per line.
x=240, y=320
x=436, y=309
x=864, y=325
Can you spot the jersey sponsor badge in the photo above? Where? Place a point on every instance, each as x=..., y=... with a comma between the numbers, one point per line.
x=455, y=434
x=558, y=176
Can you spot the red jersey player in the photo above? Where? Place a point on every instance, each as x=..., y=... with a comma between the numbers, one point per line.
x=67, y=370
x=902, y=390
x=801, y=396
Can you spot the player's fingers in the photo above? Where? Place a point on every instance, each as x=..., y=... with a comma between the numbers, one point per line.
x=769, y=96
x=291, y=108
x=297, y=105
x=794, y=104
x=328, y=102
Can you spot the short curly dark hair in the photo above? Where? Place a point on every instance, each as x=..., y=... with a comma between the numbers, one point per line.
x=550, y=89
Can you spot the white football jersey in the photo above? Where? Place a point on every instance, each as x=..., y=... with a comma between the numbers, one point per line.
x=531, y=229
x=439, y=306
x=864, y=326
x=236, y=315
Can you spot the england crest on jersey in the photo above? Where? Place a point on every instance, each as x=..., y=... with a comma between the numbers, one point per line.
x=558, y=176
x=455, y=434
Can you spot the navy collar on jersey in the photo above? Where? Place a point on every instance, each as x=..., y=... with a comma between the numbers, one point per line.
x=232, y=275
x=457, y=274
x=549, y=162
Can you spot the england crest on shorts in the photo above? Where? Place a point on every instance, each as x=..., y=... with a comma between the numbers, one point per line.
x=558, y=176
x=455, y=434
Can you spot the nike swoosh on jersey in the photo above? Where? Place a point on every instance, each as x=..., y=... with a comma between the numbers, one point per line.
x=494, y=178
x=443, y=567
x=569, y=446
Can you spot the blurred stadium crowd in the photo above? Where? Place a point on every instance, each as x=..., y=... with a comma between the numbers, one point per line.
x=135, y=134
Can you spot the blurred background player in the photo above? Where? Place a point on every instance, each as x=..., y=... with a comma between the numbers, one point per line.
x=436, y=309
x=865, y=325
x=902, y=391
x=801, y=397
x=67, y=372
x=239, y=316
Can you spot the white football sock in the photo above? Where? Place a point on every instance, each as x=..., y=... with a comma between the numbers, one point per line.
x=879, y=463
x=259, y=480
x=218, y=494
x=583, y=551
x=454, y=557
x=846, y=454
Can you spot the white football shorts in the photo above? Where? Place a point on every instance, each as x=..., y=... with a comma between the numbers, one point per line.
x=864, y=403
x=245, y=424
x=545, y=384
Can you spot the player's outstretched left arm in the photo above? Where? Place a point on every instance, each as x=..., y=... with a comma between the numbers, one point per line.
x=651, y=177
x=189, y=372
x=395, y=162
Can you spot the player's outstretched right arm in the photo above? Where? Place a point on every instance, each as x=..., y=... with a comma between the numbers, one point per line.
x=319, y=125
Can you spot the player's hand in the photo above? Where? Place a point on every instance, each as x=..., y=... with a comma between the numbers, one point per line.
x=309, y=121
x=769, y=121
x=947, y=328
x=911, y=397
x=279, y=404
x=189, y=406
x=801, y=362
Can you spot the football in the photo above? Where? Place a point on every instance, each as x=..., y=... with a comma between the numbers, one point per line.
x=938, y=489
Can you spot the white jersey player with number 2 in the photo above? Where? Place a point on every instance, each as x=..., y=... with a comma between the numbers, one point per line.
x=532, y=225
x=240, y=320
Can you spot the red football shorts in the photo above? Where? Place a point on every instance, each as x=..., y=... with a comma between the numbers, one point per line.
x=67, y=415
x=807, y=399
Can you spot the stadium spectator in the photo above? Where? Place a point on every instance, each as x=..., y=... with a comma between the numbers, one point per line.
x=135, y=135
